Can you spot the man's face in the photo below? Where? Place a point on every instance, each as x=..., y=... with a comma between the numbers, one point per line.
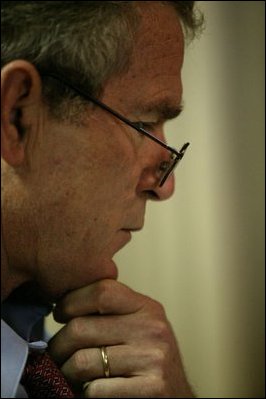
x=92, y=182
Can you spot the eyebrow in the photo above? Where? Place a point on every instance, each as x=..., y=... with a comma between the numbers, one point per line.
x=163, y=110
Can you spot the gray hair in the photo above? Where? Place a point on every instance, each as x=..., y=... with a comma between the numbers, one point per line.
x=88, y=41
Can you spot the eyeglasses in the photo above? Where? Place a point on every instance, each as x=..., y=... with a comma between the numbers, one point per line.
x=166, y=167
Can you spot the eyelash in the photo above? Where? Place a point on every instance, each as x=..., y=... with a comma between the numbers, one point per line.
x=145, y=125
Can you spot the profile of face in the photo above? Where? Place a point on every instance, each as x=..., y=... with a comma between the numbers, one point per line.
x=90, y=184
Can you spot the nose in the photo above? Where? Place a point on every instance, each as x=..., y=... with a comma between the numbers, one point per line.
x=167, y=189
x=149, y=185
x=149, y=182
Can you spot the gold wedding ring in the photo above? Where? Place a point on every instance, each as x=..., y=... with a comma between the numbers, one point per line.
x=106, y=366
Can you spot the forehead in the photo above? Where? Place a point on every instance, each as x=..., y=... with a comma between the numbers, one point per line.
x=154, y=74
x=159, y=36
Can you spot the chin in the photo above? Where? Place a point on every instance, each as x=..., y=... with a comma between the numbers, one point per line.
x=58, y=286
x=103, y=270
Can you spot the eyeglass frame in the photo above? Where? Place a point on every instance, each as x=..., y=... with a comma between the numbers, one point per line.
x=165, y=166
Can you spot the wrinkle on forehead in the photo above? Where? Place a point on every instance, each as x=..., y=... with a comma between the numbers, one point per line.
x=159, y=36
x=156, y=62
x=157, y=25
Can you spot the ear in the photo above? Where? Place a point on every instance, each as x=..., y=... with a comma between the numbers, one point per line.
x=20, y=95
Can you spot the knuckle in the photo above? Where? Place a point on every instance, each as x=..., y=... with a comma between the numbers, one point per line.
x=104, y=293
x=66, y=308
x=158, y=357
x=156, y=308
x=76, y=328
x=159, y=330
x=162, y=385
x=79, y=360
x=73, y=369
x=157, y=322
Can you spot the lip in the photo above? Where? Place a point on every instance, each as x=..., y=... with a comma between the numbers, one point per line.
x=123, y=237
x=132, y=229
x=126, y=235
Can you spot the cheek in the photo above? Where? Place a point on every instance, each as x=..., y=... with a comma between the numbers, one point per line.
x=80, y=203
x=86, y=184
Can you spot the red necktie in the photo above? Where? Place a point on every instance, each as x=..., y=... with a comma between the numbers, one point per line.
x=43, y=379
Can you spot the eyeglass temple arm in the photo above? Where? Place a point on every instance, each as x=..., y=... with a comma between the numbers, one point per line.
x=140, y=129
x=179, y=154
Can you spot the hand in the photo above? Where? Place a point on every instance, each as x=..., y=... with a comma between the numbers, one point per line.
x=142, y=350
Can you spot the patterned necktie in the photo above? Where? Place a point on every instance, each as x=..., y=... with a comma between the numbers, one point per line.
x=43, y=379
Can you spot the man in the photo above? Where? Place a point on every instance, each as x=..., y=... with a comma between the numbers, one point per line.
x=86, y=88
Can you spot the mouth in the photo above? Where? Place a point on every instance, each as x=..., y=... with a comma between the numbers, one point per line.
x=128, y=231
x=121, y=239
x=132, y=229
x=125, y=236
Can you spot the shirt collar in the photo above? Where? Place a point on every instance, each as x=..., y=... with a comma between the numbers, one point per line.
x=24, y=314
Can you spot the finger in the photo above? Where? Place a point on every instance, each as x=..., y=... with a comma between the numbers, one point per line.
x=92, y=332
x=108, y=330
x=124, y=360
x=119, y=387
x=103, y=297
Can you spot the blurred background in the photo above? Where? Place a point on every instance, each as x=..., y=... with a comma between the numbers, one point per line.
x=202, y=253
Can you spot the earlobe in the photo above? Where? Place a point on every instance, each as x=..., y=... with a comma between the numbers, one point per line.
x=20, y=88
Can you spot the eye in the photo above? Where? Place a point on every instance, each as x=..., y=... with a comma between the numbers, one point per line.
x=149, y=126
